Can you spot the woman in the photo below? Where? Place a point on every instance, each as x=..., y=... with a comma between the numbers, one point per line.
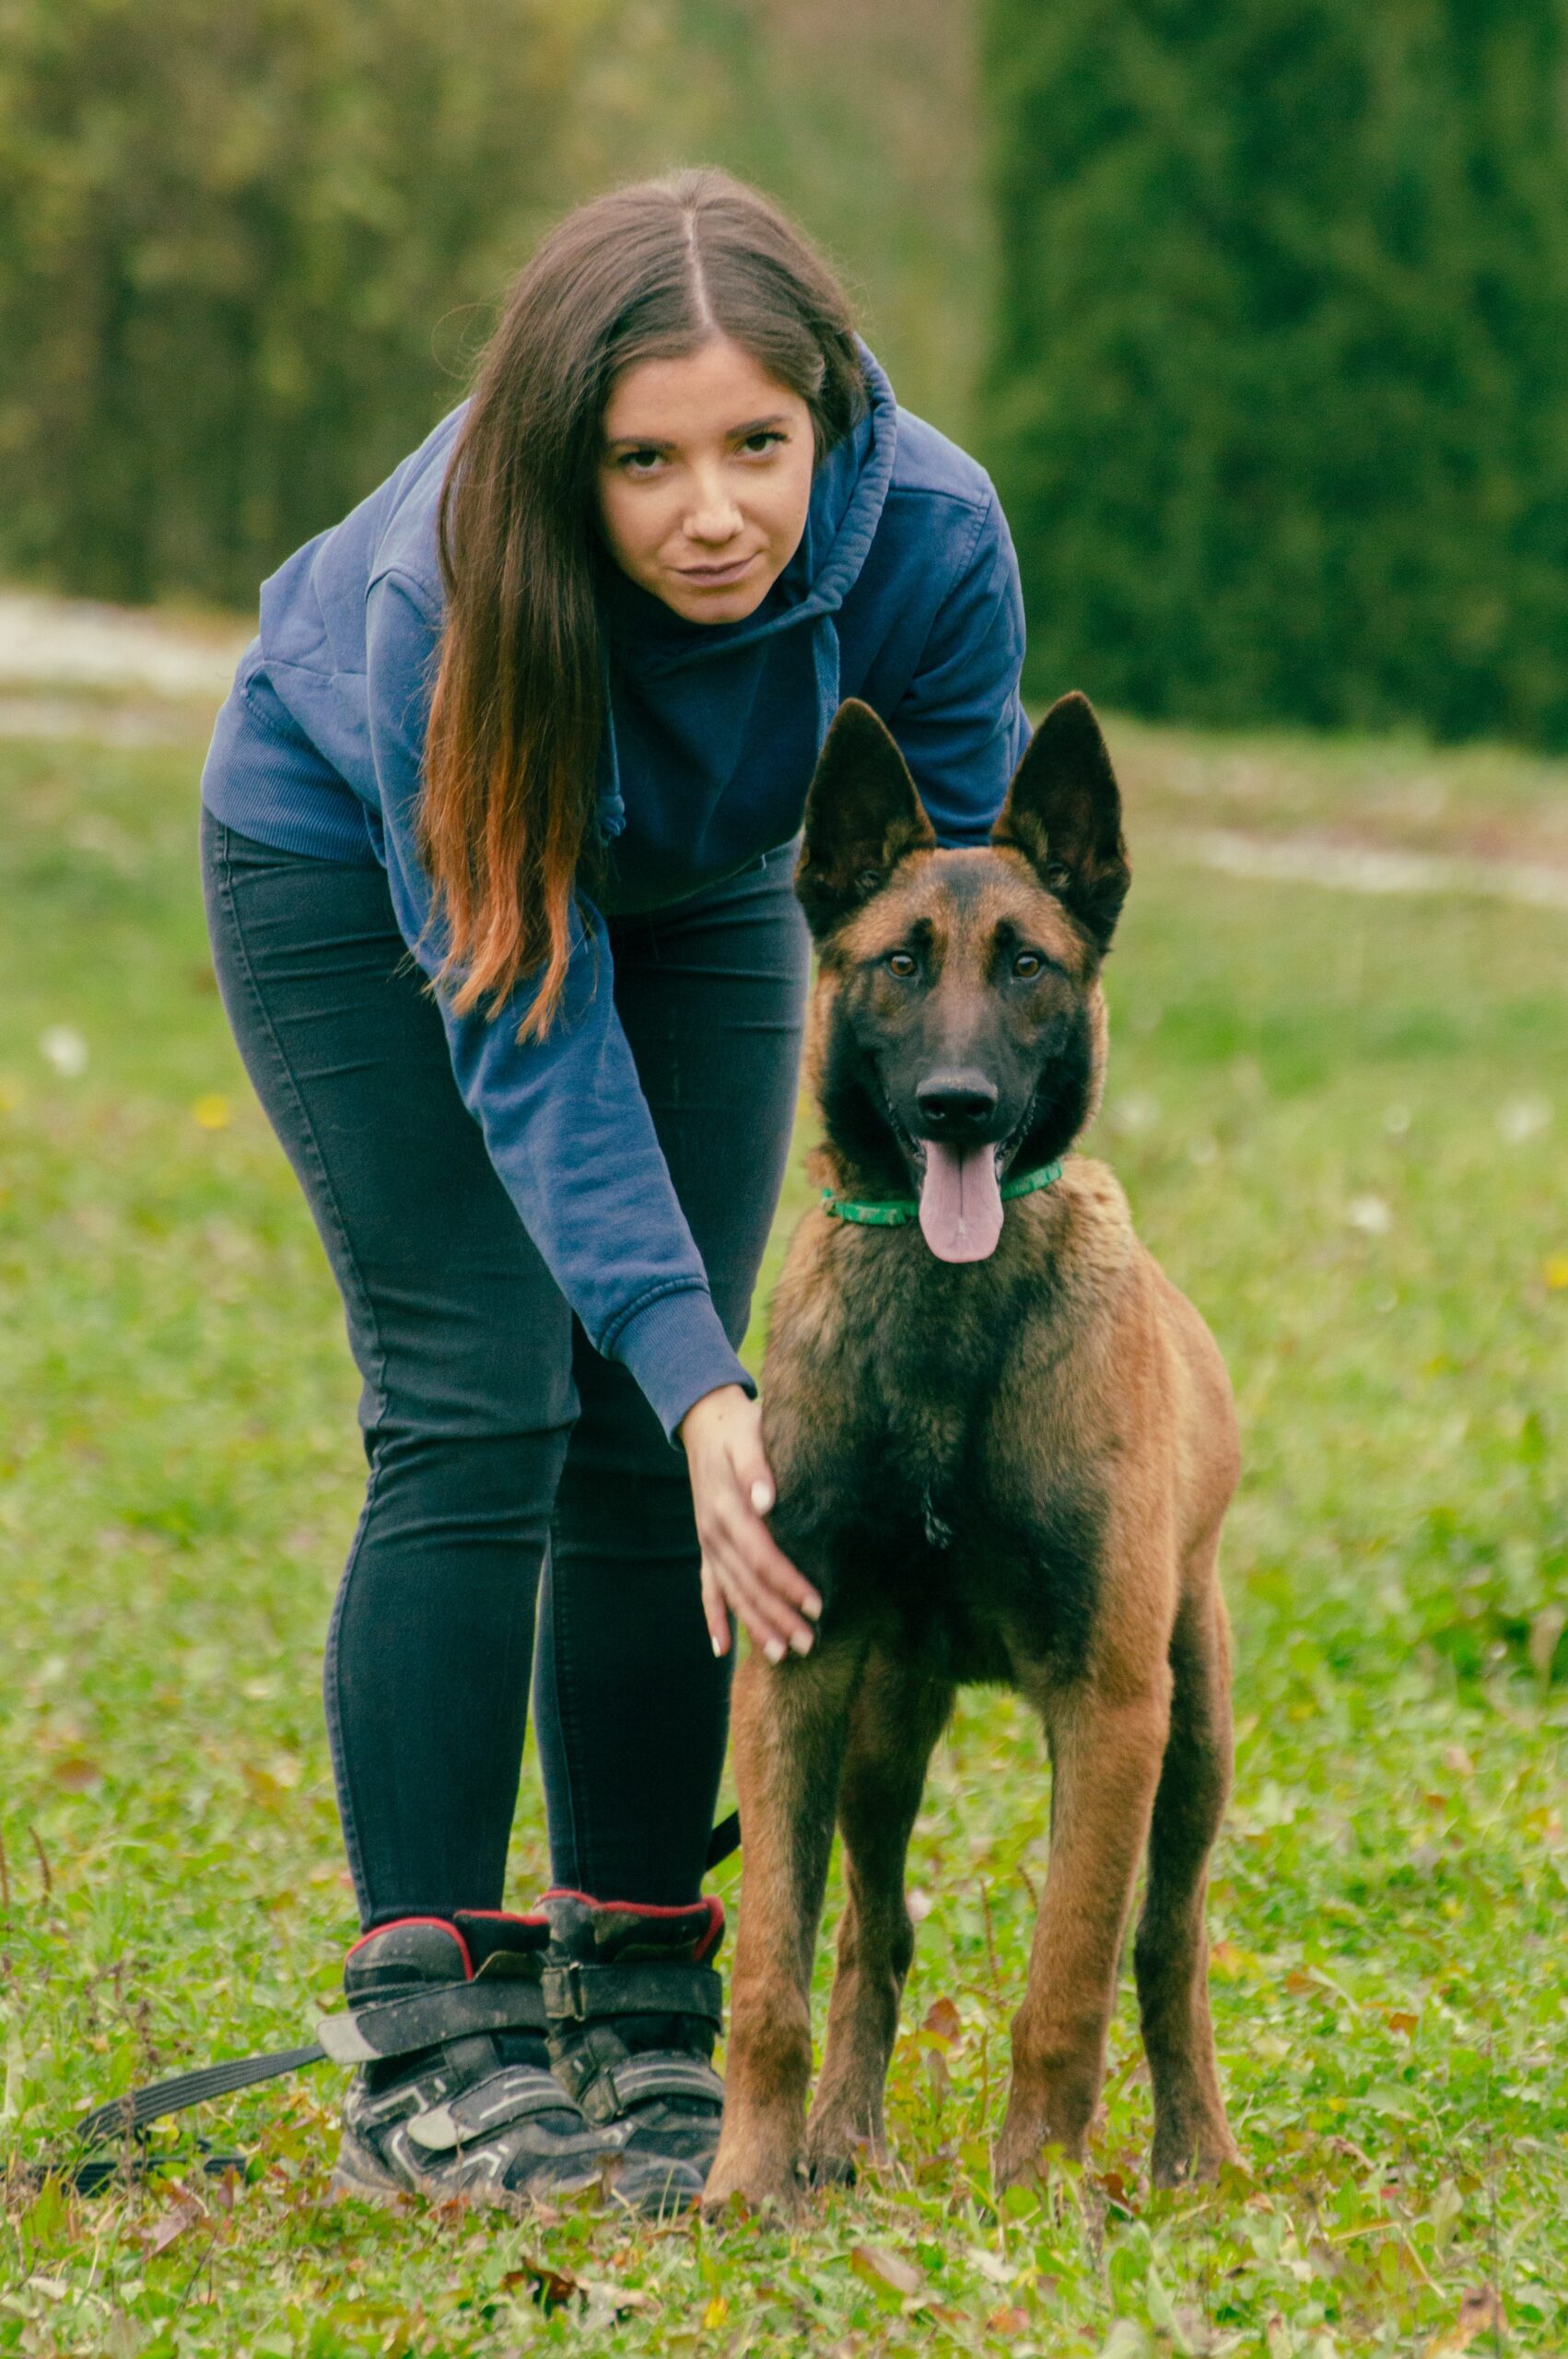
x=542, y=712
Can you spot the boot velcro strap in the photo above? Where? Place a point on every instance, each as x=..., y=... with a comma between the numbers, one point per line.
x=493, y=2103
x=456, y=2010
x=583, y=1994
x=642, y=2078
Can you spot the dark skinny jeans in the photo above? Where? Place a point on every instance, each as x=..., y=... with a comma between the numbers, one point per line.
x=509, y=1465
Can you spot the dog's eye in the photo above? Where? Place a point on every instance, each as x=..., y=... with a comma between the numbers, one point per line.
x=899, y=962
x=868, y=880
x=1027, y=965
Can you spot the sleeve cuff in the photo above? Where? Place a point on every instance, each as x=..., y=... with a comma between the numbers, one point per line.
x=677, y=1351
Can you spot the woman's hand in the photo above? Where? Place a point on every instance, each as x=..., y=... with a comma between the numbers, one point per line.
x=732, y=1490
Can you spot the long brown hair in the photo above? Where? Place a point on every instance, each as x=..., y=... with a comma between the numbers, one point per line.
x=650, y=272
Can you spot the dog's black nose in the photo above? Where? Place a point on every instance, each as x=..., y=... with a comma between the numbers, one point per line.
x=953, y=1103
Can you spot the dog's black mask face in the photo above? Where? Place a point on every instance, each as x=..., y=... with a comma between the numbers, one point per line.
x=958, y=1027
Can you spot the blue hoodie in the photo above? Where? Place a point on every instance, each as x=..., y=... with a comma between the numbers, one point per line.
x=903, y=592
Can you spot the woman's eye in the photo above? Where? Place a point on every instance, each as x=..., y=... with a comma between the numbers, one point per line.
x=763, y=439
x=1027, y=965
x=900, y=963
x=640, y=463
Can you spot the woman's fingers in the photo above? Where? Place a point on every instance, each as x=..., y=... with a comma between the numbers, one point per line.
x=761, y=1584
x=715, y=1611
x=742, y=1566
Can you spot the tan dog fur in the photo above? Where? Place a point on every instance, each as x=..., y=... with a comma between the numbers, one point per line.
x=1014, y=1470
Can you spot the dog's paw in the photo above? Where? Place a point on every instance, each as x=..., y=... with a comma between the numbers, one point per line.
x=1193, y=2156
x=743, y=2184
x=1023, y=2152
x=838, y=2152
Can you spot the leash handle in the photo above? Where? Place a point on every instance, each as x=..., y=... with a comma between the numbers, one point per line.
x=139, y=2107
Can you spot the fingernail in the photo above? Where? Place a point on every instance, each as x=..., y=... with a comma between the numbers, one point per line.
x=762, y=1497
x=812, y=1606
x=801, y=1641
x=774, y=1651
x=714, y=1643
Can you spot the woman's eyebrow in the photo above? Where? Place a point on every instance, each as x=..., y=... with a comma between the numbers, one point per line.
x=731, y=434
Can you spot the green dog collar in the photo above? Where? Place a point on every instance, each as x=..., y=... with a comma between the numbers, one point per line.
x=898, y=1211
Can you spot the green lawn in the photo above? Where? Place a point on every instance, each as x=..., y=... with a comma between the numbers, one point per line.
x=1342, y=1124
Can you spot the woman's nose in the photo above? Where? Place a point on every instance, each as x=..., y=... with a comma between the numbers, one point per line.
x=713, y=516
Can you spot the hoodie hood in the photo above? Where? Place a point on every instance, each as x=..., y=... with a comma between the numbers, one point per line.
x=692, y=703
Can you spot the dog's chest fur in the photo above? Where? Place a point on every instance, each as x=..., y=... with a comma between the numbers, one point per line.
x=921, y=1422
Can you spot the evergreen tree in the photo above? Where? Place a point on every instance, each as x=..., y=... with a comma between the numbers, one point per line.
x=1276, y=398
x=245, y=246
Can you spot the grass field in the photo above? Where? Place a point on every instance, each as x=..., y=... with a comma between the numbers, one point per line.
x=1342, y=1124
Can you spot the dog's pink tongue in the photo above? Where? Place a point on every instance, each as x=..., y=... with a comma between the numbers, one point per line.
x=960, y=1203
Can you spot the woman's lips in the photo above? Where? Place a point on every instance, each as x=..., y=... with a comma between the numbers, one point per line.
x=716, y=577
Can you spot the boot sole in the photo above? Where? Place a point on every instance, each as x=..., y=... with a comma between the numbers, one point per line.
x=357, y=2176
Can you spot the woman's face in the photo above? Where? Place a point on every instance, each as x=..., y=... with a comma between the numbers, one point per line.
x=705, y=476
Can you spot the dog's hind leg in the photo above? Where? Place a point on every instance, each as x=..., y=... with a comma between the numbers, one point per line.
x=1171, y=1953
x=1107, y=1745
x=790, y=1726
x=899, y=1712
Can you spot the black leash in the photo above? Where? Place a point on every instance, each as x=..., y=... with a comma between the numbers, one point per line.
x=724, y=1839
x=129, y=2115
x=139, y=2109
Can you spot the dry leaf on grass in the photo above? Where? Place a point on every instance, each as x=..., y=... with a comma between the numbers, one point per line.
x=943, y=2020
x=1481, y=2312
x=551, y=2288
x=880, y=2267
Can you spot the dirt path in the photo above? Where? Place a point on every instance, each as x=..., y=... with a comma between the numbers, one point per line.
x=71, y=668
x=1364, y=868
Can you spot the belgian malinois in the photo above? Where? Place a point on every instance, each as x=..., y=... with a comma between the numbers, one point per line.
x=1003, y=1445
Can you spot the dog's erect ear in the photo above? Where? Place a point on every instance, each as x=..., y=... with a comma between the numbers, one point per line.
x=1063, y=813
x=862, y=817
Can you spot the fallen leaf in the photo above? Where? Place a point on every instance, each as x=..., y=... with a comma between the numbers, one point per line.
x=610, y=2300
x=1126, y=2340
x=880, y=2267
x=551, y=2288
x=1400, y=2020
x=943, y=2020
x=1481, y=2312
x=716, y=2313
x=1455, y=1758
x=181, y=2214
x=1009, y=2321
x=76, y=1773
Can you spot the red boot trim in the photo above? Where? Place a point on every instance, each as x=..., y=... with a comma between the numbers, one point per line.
x=445, y=1924
x=706, y=1900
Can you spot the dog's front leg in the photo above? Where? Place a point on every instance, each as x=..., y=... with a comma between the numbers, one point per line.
x=899, y=1713
x=1105, y=1763
x=790, y=1725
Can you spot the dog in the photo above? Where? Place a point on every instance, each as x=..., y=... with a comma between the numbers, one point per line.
x=1003, y=1445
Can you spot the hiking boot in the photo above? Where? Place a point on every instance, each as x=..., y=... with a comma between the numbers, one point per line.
x=634, y=2012
x=454, y=2097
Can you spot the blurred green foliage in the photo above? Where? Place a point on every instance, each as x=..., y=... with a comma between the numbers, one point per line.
x=249, y=247
x=1276, y=397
